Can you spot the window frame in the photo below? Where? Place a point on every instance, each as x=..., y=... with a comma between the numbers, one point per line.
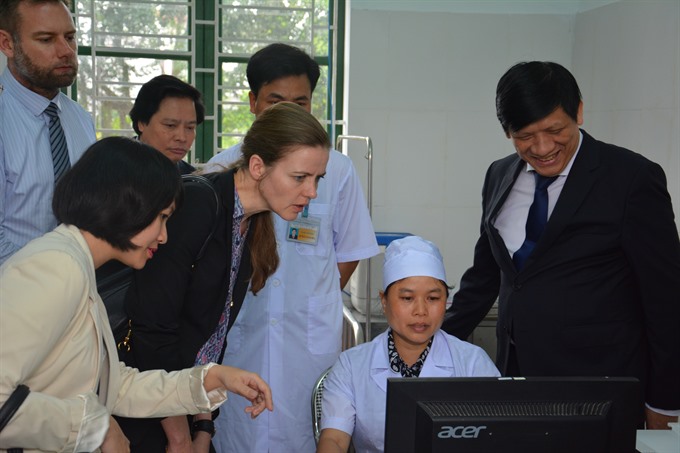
x=204, y=63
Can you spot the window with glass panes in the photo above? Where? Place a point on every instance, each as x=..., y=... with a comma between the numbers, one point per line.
x=207, y=43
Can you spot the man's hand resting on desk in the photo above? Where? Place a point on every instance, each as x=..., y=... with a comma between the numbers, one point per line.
x=654, y=420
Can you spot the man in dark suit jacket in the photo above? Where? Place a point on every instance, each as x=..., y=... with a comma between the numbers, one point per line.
x=599, y=294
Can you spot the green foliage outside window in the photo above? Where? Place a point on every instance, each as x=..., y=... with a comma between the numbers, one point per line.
x=204, y=42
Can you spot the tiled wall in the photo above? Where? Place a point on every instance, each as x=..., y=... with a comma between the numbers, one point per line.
x=627, y=56
x=422, y=86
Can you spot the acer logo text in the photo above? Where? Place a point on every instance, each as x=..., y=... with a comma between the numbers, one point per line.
x=460, y=432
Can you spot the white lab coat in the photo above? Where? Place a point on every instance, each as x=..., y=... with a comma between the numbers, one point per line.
x=291, y=331
x=355, y=391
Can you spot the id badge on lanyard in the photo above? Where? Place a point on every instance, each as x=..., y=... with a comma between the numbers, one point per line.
x=304, y=229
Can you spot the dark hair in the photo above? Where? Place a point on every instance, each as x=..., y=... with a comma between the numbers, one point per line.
x=155, y=90
x=277, y=61
x=116, y=189
x=9, y=13
x=530, y=91
x=276, y=132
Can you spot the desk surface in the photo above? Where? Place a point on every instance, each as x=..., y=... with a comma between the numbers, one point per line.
x=656, y=441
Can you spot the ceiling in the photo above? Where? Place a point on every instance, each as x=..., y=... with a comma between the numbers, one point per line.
x=484, y=6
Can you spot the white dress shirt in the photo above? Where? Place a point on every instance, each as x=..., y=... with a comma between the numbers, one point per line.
x=512, y=217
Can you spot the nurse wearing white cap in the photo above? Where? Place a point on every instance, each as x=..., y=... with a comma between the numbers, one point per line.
x=414, y=301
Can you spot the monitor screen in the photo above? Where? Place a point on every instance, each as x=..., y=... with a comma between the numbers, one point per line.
x=552, y=414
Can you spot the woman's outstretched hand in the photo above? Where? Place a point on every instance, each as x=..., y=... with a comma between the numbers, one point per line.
x=248, y=385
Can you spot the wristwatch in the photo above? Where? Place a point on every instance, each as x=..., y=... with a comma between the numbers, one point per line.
x=203, y=425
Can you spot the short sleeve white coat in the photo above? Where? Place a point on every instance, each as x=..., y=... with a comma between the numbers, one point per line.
x=355, y=391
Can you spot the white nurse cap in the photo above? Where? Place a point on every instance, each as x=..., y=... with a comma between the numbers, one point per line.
x=412, y=256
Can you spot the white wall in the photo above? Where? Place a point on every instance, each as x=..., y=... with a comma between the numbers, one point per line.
x=627, y=60
x=422, y=86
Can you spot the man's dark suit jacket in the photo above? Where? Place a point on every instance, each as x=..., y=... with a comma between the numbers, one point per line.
x=185, y=168
x=600, y=294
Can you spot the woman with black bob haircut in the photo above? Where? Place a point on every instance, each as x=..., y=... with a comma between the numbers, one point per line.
x=118, y=196
x=55, y=335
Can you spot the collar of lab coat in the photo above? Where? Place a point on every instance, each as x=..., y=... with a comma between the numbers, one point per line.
x=437, y=364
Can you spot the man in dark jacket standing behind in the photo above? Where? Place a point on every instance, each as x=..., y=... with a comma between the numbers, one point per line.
x=578, y=243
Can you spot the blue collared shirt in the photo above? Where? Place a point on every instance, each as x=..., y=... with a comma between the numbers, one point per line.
x=26, y=169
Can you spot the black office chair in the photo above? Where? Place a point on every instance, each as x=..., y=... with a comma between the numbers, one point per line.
x=317, y=396
x=352, y=335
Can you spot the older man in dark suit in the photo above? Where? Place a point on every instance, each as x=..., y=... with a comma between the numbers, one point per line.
x=578, y=243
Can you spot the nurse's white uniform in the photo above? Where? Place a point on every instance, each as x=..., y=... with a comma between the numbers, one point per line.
x=354, y=393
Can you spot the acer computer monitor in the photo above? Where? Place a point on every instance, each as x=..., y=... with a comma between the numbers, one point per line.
x=539, y=414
